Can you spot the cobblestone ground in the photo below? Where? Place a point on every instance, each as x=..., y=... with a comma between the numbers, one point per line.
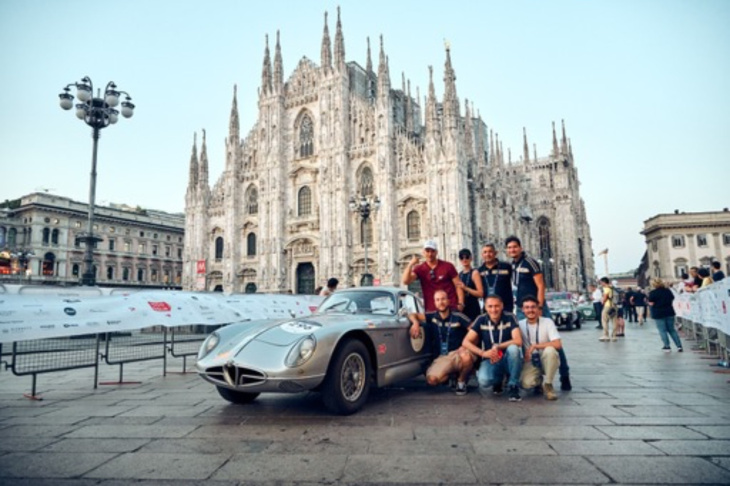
x=635, y=416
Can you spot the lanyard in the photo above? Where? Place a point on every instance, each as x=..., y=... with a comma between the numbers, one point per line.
x=447, y=325
x=537, y=332
x=492, y=286
x=515, y=274
x=491, y=334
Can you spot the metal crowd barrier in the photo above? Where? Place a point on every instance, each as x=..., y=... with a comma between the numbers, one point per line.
x=40, y=356
x=709, y=339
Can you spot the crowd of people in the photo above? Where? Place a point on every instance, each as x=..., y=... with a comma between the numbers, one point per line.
x=510, y=337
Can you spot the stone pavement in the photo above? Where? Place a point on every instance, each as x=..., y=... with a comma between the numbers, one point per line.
x=635, y=416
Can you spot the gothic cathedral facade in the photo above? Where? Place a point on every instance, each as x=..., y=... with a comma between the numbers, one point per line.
x=278, y=218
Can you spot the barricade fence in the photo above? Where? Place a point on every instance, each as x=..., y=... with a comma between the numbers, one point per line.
x=40, y=356
x=705, y=317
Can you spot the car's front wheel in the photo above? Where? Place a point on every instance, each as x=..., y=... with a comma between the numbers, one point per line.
x=579, y=322
x=347, y=384
x=235, y=396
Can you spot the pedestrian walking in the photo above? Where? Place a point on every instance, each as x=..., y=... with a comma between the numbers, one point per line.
x=662, y=311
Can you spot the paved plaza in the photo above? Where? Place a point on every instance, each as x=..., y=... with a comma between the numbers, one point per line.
x=635, y=416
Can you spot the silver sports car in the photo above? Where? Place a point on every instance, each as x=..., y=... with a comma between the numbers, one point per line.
x=356, y=339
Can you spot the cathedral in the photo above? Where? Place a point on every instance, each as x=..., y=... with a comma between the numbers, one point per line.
x=345, y=175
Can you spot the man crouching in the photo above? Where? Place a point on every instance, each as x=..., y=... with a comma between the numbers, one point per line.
x=542, y=343
x=444, y=332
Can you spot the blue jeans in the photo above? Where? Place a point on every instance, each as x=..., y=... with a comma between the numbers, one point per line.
x=564, y=368
x=665, y=326
x=493, y=374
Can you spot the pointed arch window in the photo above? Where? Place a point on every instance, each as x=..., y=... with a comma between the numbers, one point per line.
x=546, y=254
x=252, y=200
x=366, y=182
x=219, y=248
x=304, y=201
x=306, y=137
x=413, y=225
x=251, y=244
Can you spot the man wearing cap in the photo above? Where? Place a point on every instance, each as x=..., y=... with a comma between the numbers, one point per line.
x=435, y=274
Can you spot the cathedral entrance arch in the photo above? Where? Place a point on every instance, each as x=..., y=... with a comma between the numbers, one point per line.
x=305, y=278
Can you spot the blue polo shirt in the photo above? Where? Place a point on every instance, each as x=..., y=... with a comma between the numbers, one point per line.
x=524, y=270
x=497, y=280
x=491, y=333
x=453, y=329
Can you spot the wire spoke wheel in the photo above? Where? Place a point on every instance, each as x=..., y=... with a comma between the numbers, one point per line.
x=353, y=377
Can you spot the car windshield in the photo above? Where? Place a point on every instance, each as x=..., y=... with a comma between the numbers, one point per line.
x=560, y=304
x=355, y=301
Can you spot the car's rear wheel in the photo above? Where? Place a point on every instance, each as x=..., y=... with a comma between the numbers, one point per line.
x=569, y=323
x=235, y=396
x=347, y=384
x=578, y=322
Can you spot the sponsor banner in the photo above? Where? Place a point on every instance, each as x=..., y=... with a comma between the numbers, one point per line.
x=709, y=306
x=39, y=316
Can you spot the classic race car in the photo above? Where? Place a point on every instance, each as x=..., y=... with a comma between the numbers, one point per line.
x=565, y=314
x=356, y=339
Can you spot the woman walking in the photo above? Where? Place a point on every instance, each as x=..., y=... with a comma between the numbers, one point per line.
x=661, y=309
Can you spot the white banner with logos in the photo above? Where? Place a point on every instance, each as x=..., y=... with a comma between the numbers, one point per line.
x=709, y=306
x=48, y=315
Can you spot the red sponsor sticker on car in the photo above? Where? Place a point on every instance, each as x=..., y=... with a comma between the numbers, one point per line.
x=160, y=306
x=382, y=348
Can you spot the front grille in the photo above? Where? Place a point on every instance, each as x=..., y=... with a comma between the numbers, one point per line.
x=236, y=376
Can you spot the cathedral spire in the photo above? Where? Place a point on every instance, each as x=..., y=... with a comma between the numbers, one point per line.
x=326, y=52
x=193, y=178
x=563, y=140
x=266, y=70
x=278, y=66
x=525, y=146
x=383, y=72
x=203, y=171
x=555, y=142
x=339, y=45
x=534, y=151
x=492, y=153
x=451, y=101
x=468, y=130
x=233, y=124
x=369, y=61
x=432, y=118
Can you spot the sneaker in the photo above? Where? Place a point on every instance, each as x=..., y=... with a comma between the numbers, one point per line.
x=667, y=349
x=680, y=350
x=514, y=394
x=452, y=383
x=549, y=392
x=565, y=383
x=497, y=389
x=460, y=389
x=603, y=338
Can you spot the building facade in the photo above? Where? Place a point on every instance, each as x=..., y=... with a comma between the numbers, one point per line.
x=277, y=218
x=38, y=243
x=677, y=241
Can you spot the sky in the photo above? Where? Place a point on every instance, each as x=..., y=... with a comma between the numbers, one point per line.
x=643, y=87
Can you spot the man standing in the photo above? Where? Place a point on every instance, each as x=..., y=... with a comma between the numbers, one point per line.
x=444, y=332
x=597, y=297
x=527, y=279
x=542, y=342
x=639, y=303
x=495, y=337
x=496, y=277
x=610, y=310
x=629, y=307
x=330, y=288
x=717, y=273
x=471, y=285
x=435, y=274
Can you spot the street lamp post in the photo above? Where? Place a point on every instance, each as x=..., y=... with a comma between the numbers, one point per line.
x=98, y=113
x=364, y=206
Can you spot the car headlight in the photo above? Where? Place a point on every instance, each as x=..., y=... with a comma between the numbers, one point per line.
x=208, y=345
x=565, y=315
x=301, y=351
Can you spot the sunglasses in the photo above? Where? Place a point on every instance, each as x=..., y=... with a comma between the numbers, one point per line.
x=465, y=258
x=432, y=274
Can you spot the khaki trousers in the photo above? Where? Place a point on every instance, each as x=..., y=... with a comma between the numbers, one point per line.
x=606, y=321
x=532, y=377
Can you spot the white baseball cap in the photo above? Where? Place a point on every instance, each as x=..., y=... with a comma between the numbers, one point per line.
x=431, y=244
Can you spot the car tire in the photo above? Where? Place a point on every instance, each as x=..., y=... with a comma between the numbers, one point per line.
x=578, y=323
x=569, y=324
x=347, y=384
x=235, y=396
